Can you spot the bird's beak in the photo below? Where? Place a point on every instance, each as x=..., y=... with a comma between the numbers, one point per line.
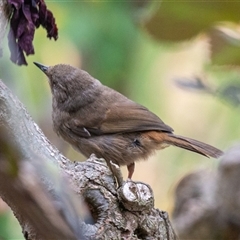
x=42, y=67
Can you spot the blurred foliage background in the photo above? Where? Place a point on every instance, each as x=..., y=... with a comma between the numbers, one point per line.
x=178, y=58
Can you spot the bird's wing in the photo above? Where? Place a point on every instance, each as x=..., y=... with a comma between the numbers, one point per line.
x=121, y=118
x=132, y=118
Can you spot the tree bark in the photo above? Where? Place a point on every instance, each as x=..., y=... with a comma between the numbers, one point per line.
x=45, y=190
x=207, y=203
x=5, y=12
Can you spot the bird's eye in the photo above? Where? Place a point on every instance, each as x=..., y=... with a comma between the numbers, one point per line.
x=136, y=142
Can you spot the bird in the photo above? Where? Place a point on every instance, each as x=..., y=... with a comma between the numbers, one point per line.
x=94, y=118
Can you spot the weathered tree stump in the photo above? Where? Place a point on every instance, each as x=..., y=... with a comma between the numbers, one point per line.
x=207, y=203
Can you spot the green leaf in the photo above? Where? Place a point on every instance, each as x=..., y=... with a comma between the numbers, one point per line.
x=180, y=20
x=225, y=44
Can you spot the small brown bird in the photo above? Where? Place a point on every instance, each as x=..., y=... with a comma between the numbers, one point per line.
x=94, y=118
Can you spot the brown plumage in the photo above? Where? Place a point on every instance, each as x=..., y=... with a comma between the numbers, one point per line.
x=96, y=119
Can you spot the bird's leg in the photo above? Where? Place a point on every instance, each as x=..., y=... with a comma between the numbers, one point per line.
x=130, y=168
x=115, y=168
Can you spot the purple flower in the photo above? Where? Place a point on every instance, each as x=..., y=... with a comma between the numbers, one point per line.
x=26, y=17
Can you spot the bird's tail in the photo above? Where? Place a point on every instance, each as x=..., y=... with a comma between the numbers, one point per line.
x=193, y=145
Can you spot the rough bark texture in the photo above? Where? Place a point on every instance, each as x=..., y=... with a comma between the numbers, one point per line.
x=4, y=17
x=207, y=203
x=35, y=180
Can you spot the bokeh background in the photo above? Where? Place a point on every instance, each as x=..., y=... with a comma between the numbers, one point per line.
x=179, y=59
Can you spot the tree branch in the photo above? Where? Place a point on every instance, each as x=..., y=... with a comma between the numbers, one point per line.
x=44, y=189
x=5, y=12
x=207, y=203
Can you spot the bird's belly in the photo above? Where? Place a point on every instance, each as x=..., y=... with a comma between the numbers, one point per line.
x=122, y=149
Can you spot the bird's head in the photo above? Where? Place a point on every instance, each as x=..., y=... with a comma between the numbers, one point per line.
x=67, y=82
